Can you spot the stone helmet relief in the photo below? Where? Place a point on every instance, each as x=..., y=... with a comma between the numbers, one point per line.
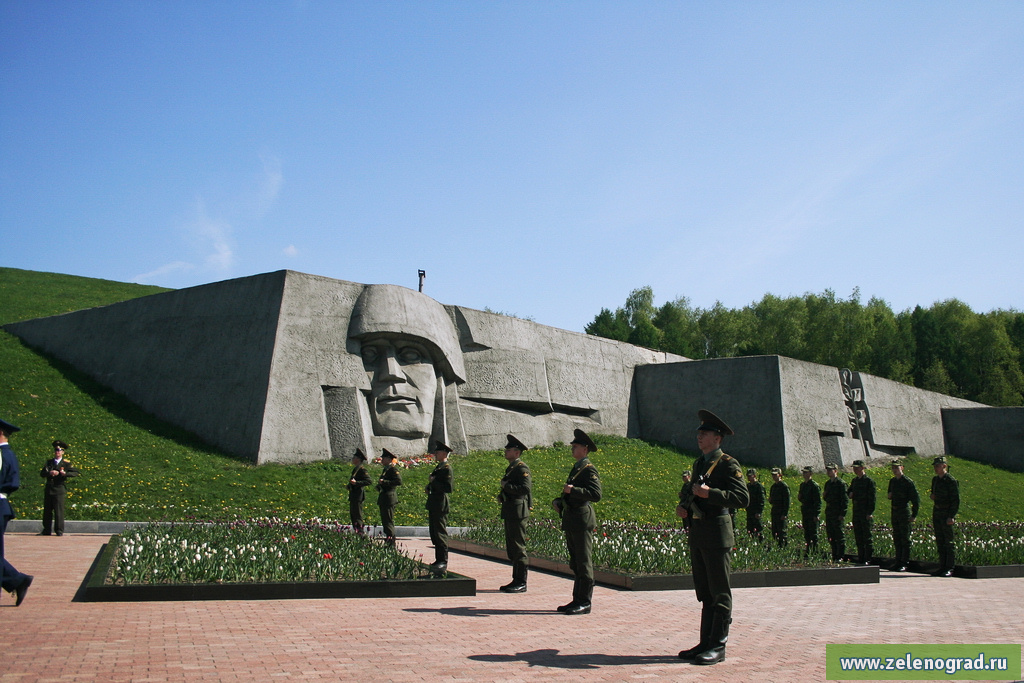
x=410, y=350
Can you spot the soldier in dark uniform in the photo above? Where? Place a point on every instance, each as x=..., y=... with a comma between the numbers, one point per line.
x=516, y=498
x=809, y=495
x=946, y=496
x=439, y=485
x=755, y=490
x=862, y=493
x=835, y=511
x=905, y=505
x=11, y=579
x=778, y=499
x=356, y=486
x=718, y=485
x=387, y=500
x=56, y=472
x=582, y=487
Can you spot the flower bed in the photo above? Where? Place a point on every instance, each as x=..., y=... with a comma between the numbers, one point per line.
x=646, y=557
x=259, y=559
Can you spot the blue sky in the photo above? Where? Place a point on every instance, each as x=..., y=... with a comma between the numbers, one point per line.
x=537, y=158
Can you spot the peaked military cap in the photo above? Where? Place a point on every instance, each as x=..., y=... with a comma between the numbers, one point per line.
x=388, y=454
x=858, y=463
x=359, y=454
x=808, y=469
x=896, y=462
x=831, y=466
x=941, y=460
x=687, y=473
x=61, y=445
x=580, y=437
x=8, y=428
x=752, y=472
x=515, y=443
x=440, y=446
x=709, y=422
x=776, y=470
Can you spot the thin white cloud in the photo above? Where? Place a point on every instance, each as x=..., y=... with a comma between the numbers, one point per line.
x=270, y=183
x=213, y=238
x=165, y=269
x=291, y=250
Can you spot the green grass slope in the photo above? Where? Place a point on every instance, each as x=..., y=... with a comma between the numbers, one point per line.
x=135, y=467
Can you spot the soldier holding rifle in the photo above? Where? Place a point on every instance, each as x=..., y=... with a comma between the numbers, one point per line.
x=718, y=485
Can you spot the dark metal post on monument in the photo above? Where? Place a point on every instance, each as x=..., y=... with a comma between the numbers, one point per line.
x=423, y=276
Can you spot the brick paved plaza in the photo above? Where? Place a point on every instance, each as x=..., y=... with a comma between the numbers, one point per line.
x=779, y=634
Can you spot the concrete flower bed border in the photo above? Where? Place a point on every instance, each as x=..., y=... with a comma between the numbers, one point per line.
x=95, y=590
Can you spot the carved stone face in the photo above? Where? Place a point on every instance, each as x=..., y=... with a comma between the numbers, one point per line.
x=403, y=386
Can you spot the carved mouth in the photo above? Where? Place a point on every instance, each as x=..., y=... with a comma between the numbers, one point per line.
x=395, y=401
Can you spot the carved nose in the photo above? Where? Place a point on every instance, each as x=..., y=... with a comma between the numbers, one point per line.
x=389, y=368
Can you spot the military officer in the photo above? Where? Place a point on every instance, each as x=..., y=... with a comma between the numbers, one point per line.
x=11, y=579
x=862, y=492
x=835, y=511
x=357, y=483
x=718, y=485
x=905, y=503
x=755, y=489
x=516, y=498
x=809, y=495
x=439, y=485
x=945, y=495
x=778, y=499
x=56, y=472
x=574, y=506
x=387, y=499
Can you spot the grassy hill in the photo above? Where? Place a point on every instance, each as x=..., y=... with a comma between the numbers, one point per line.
x=135, y=467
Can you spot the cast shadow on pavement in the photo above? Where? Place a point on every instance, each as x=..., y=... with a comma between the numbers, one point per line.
x=474, y=612
x=552, y=658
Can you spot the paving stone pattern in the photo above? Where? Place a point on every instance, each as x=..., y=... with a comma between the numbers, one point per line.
x=779, y=634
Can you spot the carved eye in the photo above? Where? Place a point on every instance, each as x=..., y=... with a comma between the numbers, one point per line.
x=410, y=354
x=370, y=353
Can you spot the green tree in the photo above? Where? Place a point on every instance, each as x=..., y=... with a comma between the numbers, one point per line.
x=610, y=325
x=723, y=330
x=779, y=326
x=680, y=328
x=936, y=378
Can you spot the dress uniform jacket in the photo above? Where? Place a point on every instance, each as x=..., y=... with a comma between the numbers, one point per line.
x=577, y=511
x=438, y=488
x=389, y=480
x=903, y=494
x=357, y=494
x=516, y=496
x=387, y=499
x=710, y=522
x=357, y=491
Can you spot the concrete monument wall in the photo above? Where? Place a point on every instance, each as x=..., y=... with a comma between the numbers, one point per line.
x=790, y=413
x=991, y=435
x=289, y=367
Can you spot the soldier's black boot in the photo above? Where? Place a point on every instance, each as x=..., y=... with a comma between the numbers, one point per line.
x=706, y=617
x=581, y=596
x=440, y=564
x=518, y=584
x=719, y=636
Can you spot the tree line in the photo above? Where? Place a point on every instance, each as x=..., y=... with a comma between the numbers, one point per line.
x=946, y=348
